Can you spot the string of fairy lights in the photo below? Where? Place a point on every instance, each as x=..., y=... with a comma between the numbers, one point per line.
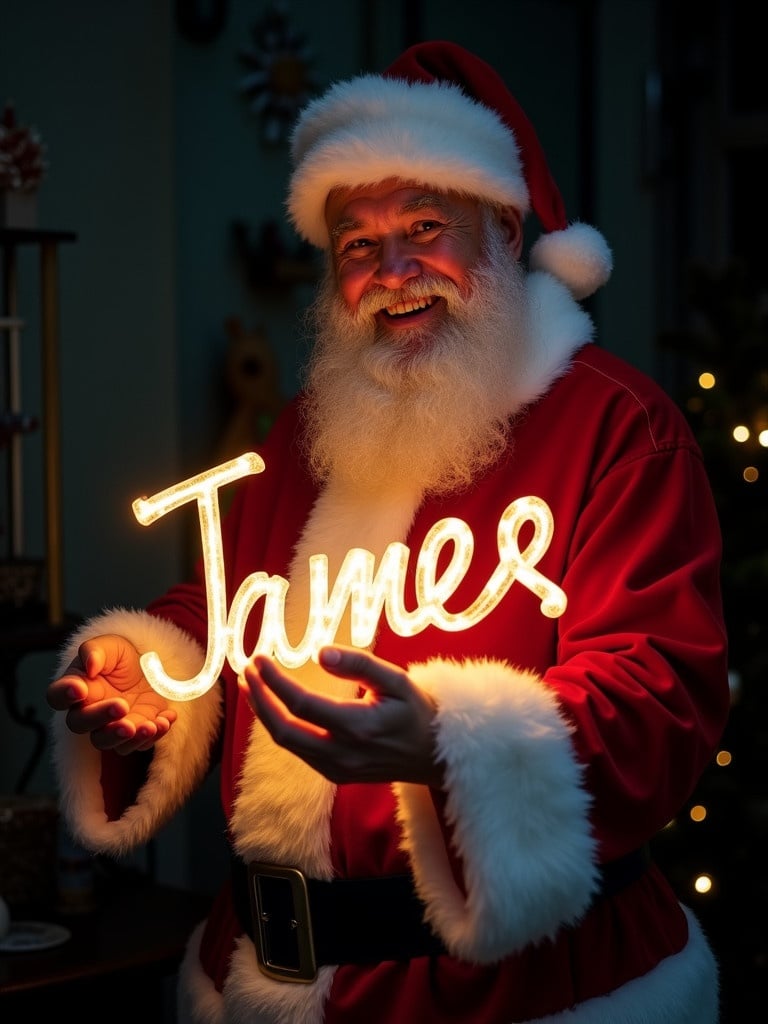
x=702, y=882
x=752, y=438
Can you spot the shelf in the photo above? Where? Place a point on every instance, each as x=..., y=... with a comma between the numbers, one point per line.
x=47, y=242
x=34, y=236
x=114, y=965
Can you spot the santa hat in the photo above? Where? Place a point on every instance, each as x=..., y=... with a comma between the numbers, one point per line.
x=442, y=117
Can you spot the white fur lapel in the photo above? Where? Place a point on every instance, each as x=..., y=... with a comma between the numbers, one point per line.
x=282, y=813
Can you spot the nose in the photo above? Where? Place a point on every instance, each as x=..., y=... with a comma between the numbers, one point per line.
x=397, y=263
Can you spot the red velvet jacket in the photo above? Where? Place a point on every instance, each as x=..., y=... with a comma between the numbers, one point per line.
x=567, y=741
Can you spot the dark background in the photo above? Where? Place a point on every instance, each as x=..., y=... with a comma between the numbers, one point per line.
x=655, y=119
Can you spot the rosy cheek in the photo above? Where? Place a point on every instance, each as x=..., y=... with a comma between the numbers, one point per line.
x=352, y=282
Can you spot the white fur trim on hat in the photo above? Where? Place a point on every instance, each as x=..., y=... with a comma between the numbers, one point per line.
x=371, y=128
x=443, y=136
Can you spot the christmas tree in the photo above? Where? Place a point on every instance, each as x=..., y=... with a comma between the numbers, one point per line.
x=715, y=851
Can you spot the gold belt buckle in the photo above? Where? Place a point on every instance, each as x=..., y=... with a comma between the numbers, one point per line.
x=282, y=923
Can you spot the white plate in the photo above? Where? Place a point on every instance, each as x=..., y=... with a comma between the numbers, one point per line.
x=26, y=936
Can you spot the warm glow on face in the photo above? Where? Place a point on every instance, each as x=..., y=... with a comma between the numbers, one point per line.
x=367, y=591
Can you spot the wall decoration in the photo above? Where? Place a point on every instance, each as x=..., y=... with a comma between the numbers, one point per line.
x=278, y=82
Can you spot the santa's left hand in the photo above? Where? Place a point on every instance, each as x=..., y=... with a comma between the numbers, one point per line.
x=387, y=735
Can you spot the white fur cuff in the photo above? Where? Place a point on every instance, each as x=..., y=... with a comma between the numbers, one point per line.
x=515, y=804
x=179, y=760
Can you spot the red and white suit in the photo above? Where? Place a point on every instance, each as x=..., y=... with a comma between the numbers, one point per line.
x=567, y=741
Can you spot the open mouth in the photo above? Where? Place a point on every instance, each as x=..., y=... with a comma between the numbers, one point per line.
x=410, y=306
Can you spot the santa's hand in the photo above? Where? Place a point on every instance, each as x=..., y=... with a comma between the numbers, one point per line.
x=386, y=735
x=105, y=694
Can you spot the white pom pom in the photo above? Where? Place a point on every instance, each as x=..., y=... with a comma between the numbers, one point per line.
x=578, y=256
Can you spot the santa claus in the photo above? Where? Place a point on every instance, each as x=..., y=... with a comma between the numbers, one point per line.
x=449, y=824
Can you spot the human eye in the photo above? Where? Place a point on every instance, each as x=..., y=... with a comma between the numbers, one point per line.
x=354, y=245
x=359, y=243
x=426, y=227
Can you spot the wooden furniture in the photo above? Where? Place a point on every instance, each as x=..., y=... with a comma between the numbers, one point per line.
x=47, y=242
x=40, y=623
x=119, y=964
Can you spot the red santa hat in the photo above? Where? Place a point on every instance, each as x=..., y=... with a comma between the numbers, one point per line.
x=443, y=117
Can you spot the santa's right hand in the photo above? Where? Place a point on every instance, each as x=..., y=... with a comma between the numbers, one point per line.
x=105, y=694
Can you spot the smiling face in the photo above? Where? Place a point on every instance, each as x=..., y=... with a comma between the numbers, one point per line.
x=419, y=336
x=395, y=246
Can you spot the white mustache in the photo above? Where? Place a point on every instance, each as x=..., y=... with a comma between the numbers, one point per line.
x=379, y=298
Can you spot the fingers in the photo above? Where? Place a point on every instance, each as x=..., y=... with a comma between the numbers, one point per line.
x=296, y=720
x=280, y=702
x=361, y=665
x=75, y=687
x=126, y=736
x=387, y=735
x=113, y=658
x=65, y=691
x=111, y=725
x=85, y=676
x=276, y=697
x=86, y=717
x=93, y=657
x=106, y=697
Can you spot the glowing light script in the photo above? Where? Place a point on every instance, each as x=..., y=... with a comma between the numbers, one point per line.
x=368, y=592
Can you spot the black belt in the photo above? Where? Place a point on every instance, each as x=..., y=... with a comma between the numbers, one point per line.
x=298, y=924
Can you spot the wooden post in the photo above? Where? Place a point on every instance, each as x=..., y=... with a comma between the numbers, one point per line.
x=51, y=429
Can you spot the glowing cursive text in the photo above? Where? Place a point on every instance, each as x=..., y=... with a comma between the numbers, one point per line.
x=368, y=592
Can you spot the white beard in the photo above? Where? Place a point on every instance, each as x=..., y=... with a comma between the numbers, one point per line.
x=428, y=411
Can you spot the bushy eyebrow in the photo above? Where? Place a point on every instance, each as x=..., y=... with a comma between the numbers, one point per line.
x=425, y=202
x=348, y=224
